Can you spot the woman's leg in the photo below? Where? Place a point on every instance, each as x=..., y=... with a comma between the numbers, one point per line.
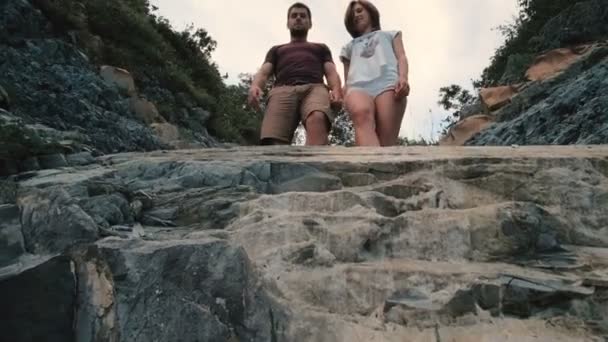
x=360, y=106
x=389, y=114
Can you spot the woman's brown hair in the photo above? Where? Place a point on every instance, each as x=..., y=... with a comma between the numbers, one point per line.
x=349, y=18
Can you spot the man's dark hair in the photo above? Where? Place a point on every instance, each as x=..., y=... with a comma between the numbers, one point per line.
x=299, y=5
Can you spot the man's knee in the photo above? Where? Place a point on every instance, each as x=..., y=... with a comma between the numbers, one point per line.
x=317, y=119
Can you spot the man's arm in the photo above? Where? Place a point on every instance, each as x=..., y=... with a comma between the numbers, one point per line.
x=258, y=82
x=403, y=87
x=333, y=81
x=261, y=77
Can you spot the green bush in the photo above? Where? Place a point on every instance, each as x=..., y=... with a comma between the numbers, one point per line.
x=65, y=14
x=234, y=121
x=516, y=68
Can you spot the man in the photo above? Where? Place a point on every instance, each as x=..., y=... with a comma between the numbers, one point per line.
x=298, y=94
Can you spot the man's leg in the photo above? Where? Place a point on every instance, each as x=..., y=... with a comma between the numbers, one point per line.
x=317, y=129
x=281, y=117
x=316, y=115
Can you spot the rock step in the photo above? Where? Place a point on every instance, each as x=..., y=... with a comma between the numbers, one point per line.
x=328, y=327
x=503, y=231
x=363, y=288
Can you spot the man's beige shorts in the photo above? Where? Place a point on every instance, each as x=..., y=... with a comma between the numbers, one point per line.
x=289, y=105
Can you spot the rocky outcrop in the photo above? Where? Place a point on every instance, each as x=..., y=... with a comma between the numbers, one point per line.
x=120, y=78
x=554, y=62
x=287, y=244
x=39, y=302
x=28, y=147
x=497, y=97
x=55, y=85
x=64, y=225
x=568, y=108
x=146, y=111
x=4, y=99
x=11, y=236
x=465, y=129
x=52, y=83
x=551, y=91
x=561, y=104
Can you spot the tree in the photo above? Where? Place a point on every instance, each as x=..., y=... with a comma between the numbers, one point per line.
x=453, y=98
x=532, y=17
x=404, y=141
x=235, y=119
x=342, y=132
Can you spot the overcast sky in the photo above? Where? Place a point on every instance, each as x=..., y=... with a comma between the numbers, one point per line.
x=446, y=41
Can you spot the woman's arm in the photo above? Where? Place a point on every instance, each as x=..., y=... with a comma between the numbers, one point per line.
x=346, y=63
x=403, y=87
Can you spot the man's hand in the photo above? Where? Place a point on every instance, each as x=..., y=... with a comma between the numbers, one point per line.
x=335, y=98
x=402, y=88
x=255, y=93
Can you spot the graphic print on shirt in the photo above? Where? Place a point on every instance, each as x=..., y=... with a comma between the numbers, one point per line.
x=370, y=47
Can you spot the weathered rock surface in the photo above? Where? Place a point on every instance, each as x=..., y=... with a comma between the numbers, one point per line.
x=569, y=108
x=55, y=85
x=189, y=290
x=118, y=77
x=52, y=83
x=497, y=97
x=11, y=237
x=145, y=110
x=4, y=99
x=465, y=129
x=38, y=304
x=52, y=222
x=316, y=244
x=554, y=62
x=552, y=91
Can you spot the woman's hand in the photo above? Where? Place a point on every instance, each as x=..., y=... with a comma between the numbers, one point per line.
x=402, y=89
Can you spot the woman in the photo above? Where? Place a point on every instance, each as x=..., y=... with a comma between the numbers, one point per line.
x=376, y=77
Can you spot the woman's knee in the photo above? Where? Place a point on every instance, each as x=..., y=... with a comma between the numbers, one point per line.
x=361, y=108
x=362, y=115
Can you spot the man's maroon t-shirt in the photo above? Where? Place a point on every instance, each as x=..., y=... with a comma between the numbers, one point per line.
x=298, y=62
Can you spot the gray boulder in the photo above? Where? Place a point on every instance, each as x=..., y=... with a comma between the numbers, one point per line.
x=11, y=239
x=203, y=290
x=108, y=210
x=38, y=304
x=4, y=99
x=52, y=221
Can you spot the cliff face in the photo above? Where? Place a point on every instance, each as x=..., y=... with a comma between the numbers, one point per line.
x=284, y=244
x=53, y=86
x=570, y=107
x=554, y=93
